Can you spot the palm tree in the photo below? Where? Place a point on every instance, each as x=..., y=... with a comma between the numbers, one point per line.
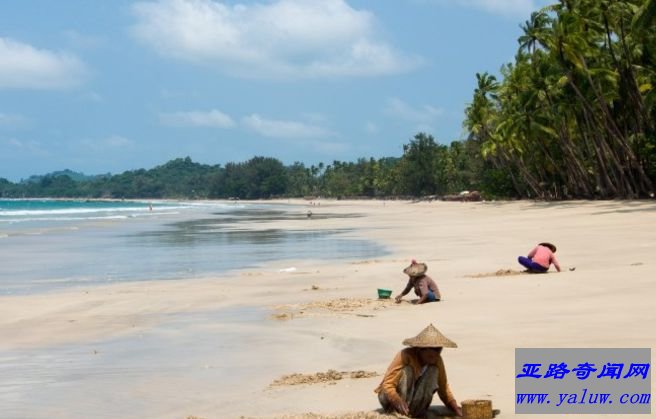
x=533, y=31
x=574, y=115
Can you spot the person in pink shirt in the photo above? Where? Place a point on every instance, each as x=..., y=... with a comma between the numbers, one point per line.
x=540, y=258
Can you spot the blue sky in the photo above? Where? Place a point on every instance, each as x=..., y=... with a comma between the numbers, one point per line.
x=109, y=86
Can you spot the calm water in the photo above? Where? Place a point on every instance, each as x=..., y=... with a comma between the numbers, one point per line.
x=48, y=244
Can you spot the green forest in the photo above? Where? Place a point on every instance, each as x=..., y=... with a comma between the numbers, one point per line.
x=573, y=117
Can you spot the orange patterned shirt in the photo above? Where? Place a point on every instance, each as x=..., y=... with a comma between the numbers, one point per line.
x=409, y=356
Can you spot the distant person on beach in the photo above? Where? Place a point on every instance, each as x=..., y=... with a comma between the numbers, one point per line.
x=424, y=286
x=415, y=374
x=540, y=258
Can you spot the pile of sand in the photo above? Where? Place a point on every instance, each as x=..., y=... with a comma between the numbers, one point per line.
x=341, y=304
x=320, y=377
x=350, y=306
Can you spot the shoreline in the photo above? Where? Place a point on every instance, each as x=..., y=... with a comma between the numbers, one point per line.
x=170, y=244
x=464, y=245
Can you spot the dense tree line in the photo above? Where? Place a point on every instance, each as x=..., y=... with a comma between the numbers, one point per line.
x=573, y=117
x=425, y=168
x=575, y=114
x=179, y=178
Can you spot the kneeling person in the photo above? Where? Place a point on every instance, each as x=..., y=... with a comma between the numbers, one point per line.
x=540, y=258
x=424, y=286
x=415, y=374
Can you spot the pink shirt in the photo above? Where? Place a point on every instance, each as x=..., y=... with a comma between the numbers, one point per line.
x=543, y=256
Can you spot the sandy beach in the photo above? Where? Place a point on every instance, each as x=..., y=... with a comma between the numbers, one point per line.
x=318, y=340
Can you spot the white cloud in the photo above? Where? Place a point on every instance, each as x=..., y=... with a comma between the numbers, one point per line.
x=212, y=118
x=24, y=67
x=299, y=134
x=283, y=38
x=283, y=129
x=425, y=114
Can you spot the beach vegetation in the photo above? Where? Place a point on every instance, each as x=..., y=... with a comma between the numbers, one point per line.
x=574, y=116
x=259, y=177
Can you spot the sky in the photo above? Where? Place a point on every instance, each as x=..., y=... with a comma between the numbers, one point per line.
x=108, y=86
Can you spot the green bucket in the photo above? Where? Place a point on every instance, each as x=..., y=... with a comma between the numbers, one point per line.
x=383, y=293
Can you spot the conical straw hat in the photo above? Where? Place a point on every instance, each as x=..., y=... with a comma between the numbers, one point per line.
x=549, y=245
x=415, y=269
x=430, y=337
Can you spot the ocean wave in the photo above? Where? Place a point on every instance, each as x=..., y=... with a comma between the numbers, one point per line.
x=24, y=220
x=65, y=211
x=158, y=206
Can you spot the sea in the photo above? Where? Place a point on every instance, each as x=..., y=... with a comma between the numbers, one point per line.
x=51, y=244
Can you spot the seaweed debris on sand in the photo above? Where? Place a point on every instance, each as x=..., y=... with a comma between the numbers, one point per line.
x=329, y=376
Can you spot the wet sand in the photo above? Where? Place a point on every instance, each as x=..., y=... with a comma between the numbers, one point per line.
x=212, y=347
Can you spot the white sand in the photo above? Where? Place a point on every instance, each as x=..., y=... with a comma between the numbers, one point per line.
x=606, y=302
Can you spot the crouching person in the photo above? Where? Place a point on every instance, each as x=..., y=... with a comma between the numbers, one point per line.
x=415, y=374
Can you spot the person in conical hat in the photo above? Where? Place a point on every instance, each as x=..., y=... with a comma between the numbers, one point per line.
x=424, y=286
x=415, y=374
x=540, y=258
